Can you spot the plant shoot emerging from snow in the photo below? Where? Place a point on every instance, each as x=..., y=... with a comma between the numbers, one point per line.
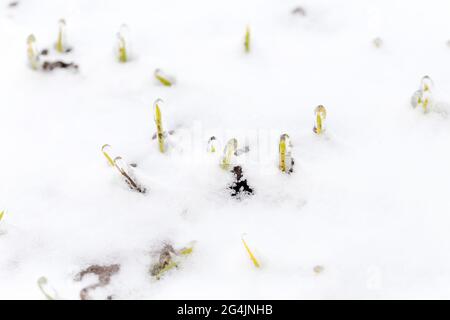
x=164, y=79
x=423, y=97
x=321, y=114
x=61, y=40
x=247, y=40
x=122, y=43
x=212, y=145
x=228, y=154
x=169, y=258
x=106, y=150
x=159, y=126
x=33, y=56
x=250, y=253
x=126, y=171
x=286, y=162
x=47, y=291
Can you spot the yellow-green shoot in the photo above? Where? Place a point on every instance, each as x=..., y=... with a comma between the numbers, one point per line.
x=163, y=78
x=250, y=253
x=122, y=38
x=33, y=56
x=61, y=40
x=247, y=40
x=43, y=286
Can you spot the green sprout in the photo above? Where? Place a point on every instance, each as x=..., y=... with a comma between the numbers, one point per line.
x=169, y=259
x=228, y=154
x=423, y=97
x=122, y=38
x=159, y=127
x=33, y=56
x=61, y=41
x=163, y=78
x=42, y=283
x=247, y=40
x=250, y=253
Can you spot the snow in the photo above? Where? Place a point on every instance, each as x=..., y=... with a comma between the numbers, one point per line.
x=369, y=201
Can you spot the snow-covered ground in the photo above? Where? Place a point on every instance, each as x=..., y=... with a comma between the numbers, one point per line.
x=369, y=201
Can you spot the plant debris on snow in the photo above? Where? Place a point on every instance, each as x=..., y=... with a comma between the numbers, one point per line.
x=104, y=274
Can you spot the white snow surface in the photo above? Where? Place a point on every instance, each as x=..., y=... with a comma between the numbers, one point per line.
x=369, y=201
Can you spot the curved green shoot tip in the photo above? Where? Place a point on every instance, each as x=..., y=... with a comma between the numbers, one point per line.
x=42, y=283
x=228, y=153
x=32, y=54
x=425, y=93
x=426, y=83
x=164, y=79
x=122, y=43
x=321, y=114
x=250, y=253
x=1, y=214
x=105, y=149
x=247, y=40
x=61, y=36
